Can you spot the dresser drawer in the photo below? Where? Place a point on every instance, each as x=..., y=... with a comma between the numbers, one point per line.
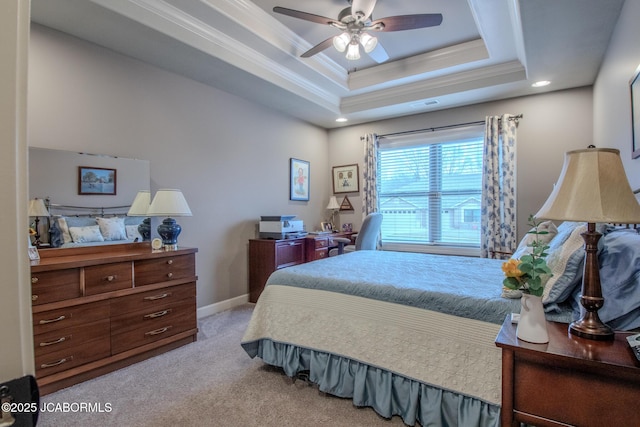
x=321, y=242
x=63, y=339
x=152, y=317
x=103, y=278
x=152, y=300
x=322, y=253
x=58, y=285
x=160, y=270
x=77, y=355
x=150, y=332
x=69, y=316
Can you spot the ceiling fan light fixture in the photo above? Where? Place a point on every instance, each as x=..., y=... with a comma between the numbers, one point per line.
x=353, y=51
x=368, y=42
x=342, y=41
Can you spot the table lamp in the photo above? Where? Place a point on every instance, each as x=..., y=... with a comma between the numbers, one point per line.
x=169, y=203
x=139, y=207
x=592, y=188
x=37, y=209
x=334, y=207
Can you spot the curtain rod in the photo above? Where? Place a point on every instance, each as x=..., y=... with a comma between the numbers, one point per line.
x=479, y=122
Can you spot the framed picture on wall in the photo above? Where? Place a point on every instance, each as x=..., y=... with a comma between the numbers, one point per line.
x=100, y=181
x=298, y=180
x=346, y=179
x=635, y=114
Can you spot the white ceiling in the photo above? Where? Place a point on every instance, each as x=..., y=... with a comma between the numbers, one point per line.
x=483, y=50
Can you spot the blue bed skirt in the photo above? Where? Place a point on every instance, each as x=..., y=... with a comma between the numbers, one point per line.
x=387, y=393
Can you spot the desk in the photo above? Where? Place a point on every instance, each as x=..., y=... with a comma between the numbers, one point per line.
x=568, y=381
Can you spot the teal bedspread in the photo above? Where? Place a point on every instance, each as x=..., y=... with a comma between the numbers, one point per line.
x=461, y=286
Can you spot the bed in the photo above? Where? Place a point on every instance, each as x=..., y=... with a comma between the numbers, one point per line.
x=413, y=334
x=78, y=226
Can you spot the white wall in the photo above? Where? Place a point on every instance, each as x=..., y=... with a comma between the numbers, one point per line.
x=230, y=157
x=16, y=336
x=553, y=123
x=612, y=96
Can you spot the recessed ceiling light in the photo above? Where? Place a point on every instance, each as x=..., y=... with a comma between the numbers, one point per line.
x=541, y=83
x=341, y=119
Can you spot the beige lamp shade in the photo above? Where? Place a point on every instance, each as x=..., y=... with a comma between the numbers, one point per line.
x=37, y=208
x=169, y=203
x=333, y=203
x=140, y=204
x=592, y=188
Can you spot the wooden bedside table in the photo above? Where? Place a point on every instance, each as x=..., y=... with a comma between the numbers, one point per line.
x=568, y=381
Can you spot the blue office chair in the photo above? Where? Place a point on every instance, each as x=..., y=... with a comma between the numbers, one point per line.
x=366, y=239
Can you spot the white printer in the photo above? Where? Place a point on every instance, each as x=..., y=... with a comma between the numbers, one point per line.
x=281, y=227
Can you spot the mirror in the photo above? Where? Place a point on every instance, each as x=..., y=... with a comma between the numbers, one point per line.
x=84, y=185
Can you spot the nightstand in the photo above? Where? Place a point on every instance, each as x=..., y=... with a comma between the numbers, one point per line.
x=568, y=381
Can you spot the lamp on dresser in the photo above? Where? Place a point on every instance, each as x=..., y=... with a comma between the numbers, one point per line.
x=333, y=206
x=592, y=188
x=169, y=203
x=37, y=209
x=139, y=207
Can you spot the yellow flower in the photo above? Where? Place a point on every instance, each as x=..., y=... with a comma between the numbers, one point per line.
x=32, y=232
x=510, y=268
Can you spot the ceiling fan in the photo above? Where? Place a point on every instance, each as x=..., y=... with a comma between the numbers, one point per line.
x=355, y=22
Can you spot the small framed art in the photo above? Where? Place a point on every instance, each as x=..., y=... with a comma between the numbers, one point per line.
x=635, y=114
x=298, y=179
x=326, y=226
x=346, y=179
x=33, y=253
x=100, y=181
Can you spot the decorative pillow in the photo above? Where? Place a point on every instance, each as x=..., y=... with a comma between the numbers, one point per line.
x=112, y=228
x=619, y=259
x=86, y=234
x=524, y=247
x=133, y=233
x=64, y=222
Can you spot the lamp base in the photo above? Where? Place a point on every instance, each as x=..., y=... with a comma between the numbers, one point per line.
x=591, y=327
x=169, y=230
x=145, y=229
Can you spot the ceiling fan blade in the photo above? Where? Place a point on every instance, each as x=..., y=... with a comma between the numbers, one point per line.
x=318, y=48
x=306, y=16
x=406, y=22
x=362, y=9
x=379, y=54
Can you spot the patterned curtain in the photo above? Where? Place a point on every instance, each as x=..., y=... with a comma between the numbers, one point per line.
x=370, y=173
x=498, y=219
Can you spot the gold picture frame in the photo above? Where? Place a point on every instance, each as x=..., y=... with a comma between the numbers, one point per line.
x=346, y=179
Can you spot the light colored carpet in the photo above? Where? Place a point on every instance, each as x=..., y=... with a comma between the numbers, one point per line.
x=211, y=382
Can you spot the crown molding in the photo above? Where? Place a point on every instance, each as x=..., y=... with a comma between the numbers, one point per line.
x=462, y=53
x=507, y=72
x=171, y=21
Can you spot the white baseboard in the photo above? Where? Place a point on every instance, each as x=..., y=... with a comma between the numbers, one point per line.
x=222, y=306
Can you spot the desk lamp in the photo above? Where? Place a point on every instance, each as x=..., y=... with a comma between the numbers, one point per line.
x=169, y=203
x=139, y=207
x=592, y=188
x=334, y=207
x=37, y=209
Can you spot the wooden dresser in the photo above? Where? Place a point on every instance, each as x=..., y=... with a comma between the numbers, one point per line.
x=269, y=255
x=98, y=309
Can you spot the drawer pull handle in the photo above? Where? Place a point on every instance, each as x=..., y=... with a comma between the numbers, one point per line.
x=158, y=331
x=170, y=261
x=157, y=314
x=155, y=297
x=59, y=362
x=34, y=297
x=34, y=280
x=57, y=319
x=58, y=341
x=110, y=278
x=169, y=275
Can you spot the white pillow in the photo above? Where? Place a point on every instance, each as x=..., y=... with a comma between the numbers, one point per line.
x=62, y=225
x=86, y=234
x=524, y=247
x=133, y=233
x=112, y=228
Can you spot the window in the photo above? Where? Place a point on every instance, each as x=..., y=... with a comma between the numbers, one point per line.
x=430, y=188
